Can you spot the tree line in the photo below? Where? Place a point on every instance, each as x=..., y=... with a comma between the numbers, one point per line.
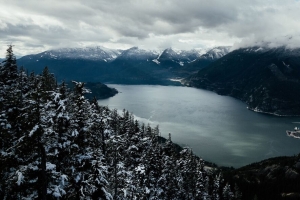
x=56, y=144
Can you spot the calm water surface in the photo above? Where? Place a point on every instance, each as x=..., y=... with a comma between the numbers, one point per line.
x=218, y=128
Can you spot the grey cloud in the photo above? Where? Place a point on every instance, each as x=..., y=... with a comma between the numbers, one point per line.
x=148, y=22
x=178, y=16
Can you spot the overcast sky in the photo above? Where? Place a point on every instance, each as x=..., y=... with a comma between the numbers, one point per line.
x=34, y=26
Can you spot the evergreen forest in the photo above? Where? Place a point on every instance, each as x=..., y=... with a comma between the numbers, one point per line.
x=56, y=144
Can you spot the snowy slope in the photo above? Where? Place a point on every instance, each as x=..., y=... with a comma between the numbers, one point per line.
x=88, y=53
x=216, y=53
x=180, y=57
x=136, y=53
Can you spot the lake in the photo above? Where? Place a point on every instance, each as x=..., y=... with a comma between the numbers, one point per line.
x=219, y=129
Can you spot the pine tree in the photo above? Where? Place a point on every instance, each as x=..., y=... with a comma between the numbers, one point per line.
x=216, y=188
x=237, y=193
x=87, y=170
x=227, y=193
x=167, y=181
x=10, y=69
x=200, y=191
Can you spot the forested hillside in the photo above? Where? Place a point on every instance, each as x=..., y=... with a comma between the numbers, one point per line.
x=267, y=79
x=55, y=144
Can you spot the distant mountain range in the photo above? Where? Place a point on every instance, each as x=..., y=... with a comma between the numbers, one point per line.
x=267, y=79
x=131, y=66
x=88, y=53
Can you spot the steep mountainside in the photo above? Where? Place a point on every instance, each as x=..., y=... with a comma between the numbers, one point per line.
x=131, y=66
x=175, y=59
x=134, y=66
x=207, y=58
x=85, y=64
x=88, y=53
x=267, y=79
x=275, y=178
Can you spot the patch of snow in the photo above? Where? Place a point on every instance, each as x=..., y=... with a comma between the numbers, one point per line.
x=50, y=166
x=75, y=133
x=140, y=169
x=133, y=147
x=63, y=179
x=156, y=61
x=33, y=130
x=259, y=49
x=20, y=177
x=8, y=126
x=78, y=177
x=285, y=64
x=147, y=190
x=175, y=80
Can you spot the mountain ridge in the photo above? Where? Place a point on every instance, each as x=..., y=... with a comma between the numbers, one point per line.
x=131, y=66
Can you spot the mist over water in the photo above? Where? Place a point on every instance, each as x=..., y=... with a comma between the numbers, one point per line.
x=219, y=129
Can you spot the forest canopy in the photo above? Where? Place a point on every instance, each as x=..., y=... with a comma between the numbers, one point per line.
x=56, y=144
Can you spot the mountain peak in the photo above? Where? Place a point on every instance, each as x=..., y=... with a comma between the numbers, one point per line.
x=216, y=52
x=139, y=54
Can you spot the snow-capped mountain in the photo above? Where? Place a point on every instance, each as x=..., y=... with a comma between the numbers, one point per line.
x=206, y=58
x=193, y=54
x=216, y=53
x=120, y=66
x=88, y=53
x=136, y=53
x=180, y=57
x=283, y=51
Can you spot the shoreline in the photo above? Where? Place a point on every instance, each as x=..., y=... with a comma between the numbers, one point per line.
x=270, y=113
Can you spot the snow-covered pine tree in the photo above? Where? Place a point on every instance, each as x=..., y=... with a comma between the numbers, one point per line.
x=167, y=181
x=100, y=124
x=187, y=168
x=227, y=193
x=216, y=187
x=86, y=166
x=10, y=70
x=11, y=107
x=200, y=191
x=9, y=93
